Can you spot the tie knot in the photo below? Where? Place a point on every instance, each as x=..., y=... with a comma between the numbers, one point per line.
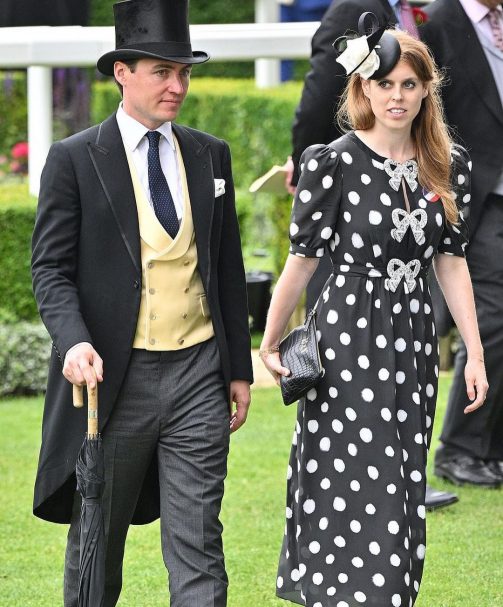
x=153, y=138
x=495, y=24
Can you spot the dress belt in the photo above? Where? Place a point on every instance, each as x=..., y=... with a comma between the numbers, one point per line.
x=395, y=272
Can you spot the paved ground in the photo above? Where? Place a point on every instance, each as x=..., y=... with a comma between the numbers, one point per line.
x=262, y=376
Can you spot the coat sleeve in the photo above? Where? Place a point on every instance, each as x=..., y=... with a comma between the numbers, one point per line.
x=232, y=283
x=55, y=245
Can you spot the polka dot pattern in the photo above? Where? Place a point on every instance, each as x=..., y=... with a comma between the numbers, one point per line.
x=355, y=523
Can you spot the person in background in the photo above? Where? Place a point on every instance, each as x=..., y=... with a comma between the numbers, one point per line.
x=466, y=38
x=139, y=279
x=385, y=202
x=315, y=122
x=295, y=11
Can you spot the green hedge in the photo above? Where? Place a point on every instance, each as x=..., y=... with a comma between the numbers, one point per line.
x=256, y=124
x=17, y=213
x=200, y=11
x=25, y=350
x=13, y=114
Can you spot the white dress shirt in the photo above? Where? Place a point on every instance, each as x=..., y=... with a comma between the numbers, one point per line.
x=477, y=13
x=133, y=135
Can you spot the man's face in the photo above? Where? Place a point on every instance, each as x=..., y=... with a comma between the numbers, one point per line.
x=154, y=92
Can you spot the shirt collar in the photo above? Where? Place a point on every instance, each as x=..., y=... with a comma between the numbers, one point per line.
x=394, y=4
x=133, y=131
x=475, y=10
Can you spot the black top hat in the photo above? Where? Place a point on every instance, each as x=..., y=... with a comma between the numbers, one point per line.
x=372, y=52
x=157, y=29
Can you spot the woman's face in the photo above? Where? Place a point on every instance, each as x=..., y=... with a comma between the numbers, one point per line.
x=396, y=99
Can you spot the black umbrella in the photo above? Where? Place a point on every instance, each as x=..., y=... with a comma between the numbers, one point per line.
x=90, y=483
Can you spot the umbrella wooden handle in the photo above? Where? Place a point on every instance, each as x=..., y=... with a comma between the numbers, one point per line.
x=92, y=411
x=78, y=396
x=92, y=406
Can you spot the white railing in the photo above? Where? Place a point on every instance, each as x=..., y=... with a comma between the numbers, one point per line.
x=41, y=48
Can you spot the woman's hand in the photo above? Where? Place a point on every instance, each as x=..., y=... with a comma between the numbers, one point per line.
x=273, y=364
x=476, y=383
x=288, y=166
x=287, y=292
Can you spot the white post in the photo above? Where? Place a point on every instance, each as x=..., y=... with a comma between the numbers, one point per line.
x=267, y=71
x=39, y=122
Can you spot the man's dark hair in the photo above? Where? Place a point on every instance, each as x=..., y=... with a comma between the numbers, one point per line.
x=131, y=63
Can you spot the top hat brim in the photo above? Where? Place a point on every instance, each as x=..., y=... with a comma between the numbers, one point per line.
x=106, y=62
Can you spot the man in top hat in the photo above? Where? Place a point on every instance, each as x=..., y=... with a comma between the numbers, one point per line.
x=138, y=275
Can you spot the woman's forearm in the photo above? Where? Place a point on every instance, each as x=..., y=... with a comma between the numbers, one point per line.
x=287, y=292
x=454, y=280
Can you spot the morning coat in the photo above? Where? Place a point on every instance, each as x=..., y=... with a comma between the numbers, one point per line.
x=87, y=275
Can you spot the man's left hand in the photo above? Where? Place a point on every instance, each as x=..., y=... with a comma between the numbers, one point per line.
x=240, y=394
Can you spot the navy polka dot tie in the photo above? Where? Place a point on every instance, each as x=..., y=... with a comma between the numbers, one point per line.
x=162, y=200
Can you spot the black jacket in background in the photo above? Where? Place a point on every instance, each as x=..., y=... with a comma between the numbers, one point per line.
x=471, y=99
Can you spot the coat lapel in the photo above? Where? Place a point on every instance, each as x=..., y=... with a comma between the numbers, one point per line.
x=200, y=182
x=109, y=160
x=471, y=55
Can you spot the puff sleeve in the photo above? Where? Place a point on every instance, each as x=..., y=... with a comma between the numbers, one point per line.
x=454, y=238
x=316, y=203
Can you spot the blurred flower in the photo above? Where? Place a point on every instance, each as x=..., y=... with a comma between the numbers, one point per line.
x=20, y=150
x=420, y=16
x=16, y=167
x=16, y=163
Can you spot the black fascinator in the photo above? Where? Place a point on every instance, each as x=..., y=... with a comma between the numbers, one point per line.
x=372, y=52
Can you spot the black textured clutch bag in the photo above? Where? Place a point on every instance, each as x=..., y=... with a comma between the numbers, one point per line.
x=299, y=353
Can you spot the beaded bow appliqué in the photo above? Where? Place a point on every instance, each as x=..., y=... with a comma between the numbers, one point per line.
x=416, y=220
x=397, y=270
x=397, y=171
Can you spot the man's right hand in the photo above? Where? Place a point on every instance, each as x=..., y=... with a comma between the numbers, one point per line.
x=83, y=365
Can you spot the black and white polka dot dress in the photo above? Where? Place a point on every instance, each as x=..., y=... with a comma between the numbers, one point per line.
x=355, y=515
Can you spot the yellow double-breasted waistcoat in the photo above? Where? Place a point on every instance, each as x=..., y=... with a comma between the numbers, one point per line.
x=174, y=313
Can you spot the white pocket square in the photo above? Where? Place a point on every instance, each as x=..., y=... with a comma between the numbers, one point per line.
x=219, y=187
